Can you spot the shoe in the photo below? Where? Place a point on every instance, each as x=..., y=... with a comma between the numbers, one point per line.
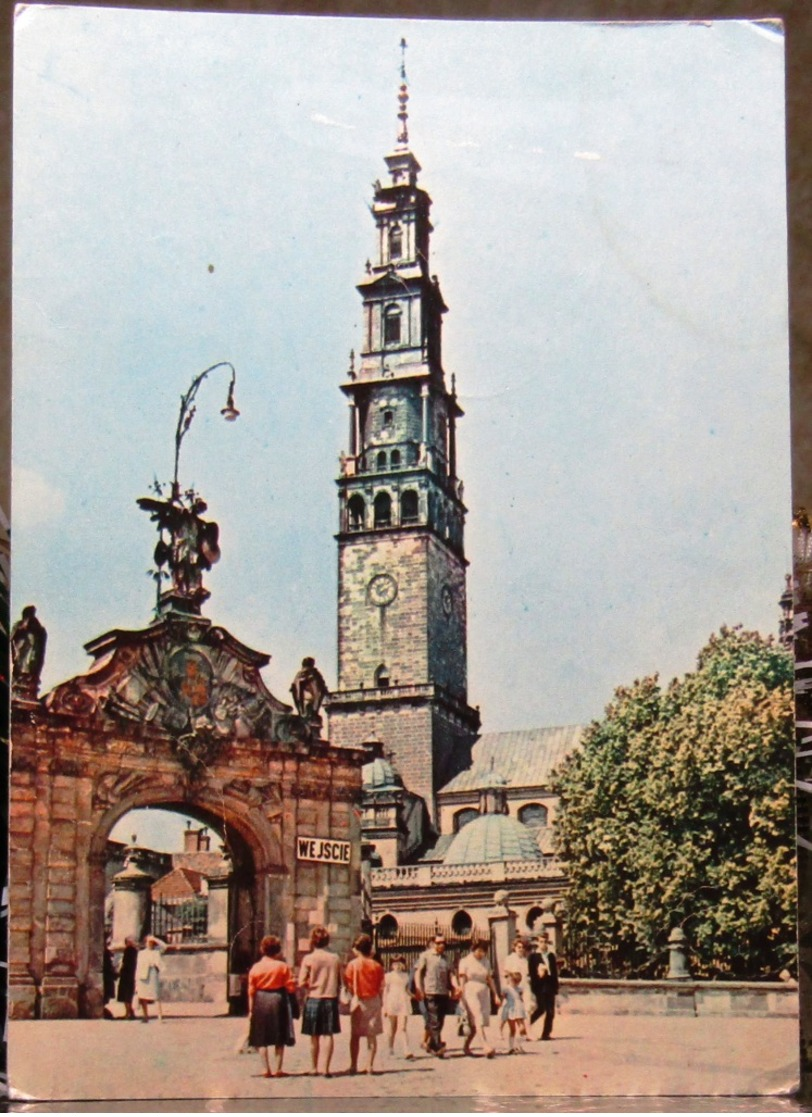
x=489, y=1053
x=408, y=1055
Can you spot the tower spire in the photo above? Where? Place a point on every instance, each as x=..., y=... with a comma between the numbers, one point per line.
x=403, y=99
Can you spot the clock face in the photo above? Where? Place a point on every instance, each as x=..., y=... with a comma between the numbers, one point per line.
x=382, y=589
x=447, y=599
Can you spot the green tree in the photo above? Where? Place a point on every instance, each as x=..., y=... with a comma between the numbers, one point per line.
x=677, y=811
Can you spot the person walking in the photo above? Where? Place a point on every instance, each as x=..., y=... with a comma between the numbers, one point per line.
x=148, y=977
x=271, y=998
x=478, y=987
x=320, y=976
x=517, y=962
x=397, y=1005
x=364, y=978
x=109, y=974
x=543, y=974
x=126, y=977
x=435, y=983
x=515, y=1012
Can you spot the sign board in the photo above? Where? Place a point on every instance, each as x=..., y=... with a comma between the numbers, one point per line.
x=332, y=851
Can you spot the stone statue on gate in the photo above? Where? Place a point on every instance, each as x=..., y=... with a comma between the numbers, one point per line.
x=28, y=639
x=309, y=690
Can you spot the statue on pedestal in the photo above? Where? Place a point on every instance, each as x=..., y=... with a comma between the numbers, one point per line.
x=28, y=639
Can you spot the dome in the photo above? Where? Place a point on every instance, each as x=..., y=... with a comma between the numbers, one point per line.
x=380, y=775
x=492, y=837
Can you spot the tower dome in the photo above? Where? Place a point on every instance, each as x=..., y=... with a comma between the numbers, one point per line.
x=380, y=775
x=492, y=837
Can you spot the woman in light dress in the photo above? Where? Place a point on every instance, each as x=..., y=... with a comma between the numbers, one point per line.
x=478, y=988
x=397, y=1005
x=148, y=977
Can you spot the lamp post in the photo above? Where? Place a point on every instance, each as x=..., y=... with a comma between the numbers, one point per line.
x=188, y=409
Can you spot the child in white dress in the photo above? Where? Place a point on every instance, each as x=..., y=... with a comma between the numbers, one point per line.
x=397, y=1005
x=515, y=1013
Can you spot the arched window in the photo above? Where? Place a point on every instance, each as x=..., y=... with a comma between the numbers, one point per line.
x=381, y=459
x=462, y=924
x=395, y=242
x=395, y=459
x=383, y=510
x=408, y=507
x=388, y=927
x=388, y=418
x=463, y=817
x=391, y=325
x=531, y=917
x=382, y=676
x=356, y=510
x=533, y=814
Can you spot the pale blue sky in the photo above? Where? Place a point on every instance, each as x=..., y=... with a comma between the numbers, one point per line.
x=610, y=237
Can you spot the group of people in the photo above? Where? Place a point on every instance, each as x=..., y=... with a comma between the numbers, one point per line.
x=134, y=977
x=379, y=1001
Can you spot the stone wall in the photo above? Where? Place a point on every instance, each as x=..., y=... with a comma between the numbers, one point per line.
x=197, y=974
x=678, y=998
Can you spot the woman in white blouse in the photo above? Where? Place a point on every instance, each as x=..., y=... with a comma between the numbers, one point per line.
x=478, y=987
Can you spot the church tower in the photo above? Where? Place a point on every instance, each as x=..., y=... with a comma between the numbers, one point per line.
x=402, y=671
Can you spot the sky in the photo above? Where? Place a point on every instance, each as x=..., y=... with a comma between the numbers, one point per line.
x=610, y=236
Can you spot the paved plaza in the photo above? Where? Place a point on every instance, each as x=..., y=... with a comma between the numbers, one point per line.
x=193, y=1055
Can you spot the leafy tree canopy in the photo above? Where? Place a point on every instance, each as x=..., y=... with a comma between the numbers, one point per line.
x=677, y=811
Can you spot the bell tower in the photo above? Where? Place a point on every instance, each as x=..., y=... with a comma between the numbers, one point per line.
x=402, y=670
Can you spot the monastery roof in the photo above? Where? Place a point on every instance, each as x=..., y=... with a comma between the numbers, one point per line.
x=178, y=884
x=527, y=756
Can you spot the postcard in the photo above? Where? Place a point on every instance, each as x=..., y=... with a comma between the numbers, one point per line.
x=402, y=612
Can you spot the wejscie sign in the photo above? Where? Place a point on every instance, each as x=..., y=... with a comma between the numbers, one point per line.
x=323, y=849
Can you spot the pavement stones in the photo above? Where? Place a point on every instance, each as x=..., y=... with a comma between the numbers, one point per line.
x=193, y=1055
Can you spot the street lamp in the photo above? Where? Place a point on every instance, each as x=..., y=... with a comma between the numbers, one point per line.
x=188, y=409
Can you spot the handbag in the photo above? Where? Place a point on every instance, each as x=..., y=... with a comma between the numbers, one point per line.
x=354, y=1001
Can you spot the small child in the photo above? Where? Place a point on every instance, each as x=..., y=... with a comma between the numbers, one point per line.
x=515, y=1013
x=397, y=1004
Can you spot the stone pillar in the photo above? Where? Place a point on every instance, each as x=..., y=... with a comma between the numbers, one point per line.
x=549, y=922
x=131, y=902
x=62, y=945
x=218, y=909
x=677, y=963
x=502, y=924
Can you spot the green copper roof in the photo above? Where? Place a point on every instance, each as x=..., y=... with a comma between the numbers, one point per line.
x=492, y=837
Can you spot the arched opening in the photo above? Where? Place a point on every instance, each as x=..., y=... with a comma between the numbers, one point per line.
x=395, y=242
x=391, y=325
x=395, y=459
x=463, y=817
x=382, y=676
x=533, y=814
x=383, y=510
x=387, y=927
x=462, y=924
x=380, y=460
x=191, y=874
x=533, y=914
x=356, y=511
x=409, y=507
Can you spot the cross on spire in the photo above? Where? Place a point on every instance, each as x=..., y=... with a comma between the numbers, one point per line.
x=403, y=98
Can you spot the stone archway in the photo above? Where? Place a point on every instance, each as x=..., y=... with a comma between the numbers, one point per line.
x=241, y=898
x=72, y=779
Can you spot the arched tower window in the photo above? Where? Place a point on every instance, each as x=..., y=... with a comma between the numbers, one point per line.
x=408, y=507
x=395, y=242
x=383, y=510
x=382, y=676
x=391, y=325
x=395, y=459
x=463, y=817
x=533, y=814
x=381, y=460
x=356, y=510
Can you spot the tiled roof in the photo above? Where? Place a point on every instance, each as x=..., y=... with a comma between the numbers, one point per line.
x=526, y=756
x=178, y=884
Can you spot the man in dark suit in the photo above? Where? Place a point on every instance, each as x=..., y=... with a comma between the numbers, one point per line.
x=542, y=972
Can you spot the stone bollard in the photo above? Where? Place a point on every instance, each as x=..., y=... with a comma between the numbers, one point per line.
x=677, y=964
